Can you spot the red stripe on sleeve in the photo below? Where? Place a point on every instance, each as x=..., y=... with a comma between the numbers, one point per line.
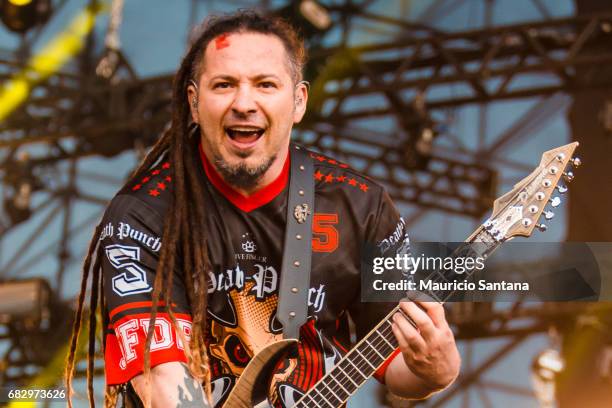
x=124, y=354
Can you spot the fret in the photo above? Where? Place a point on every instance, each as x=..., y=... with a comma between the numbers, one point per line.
x=374, y=348
x=365, y=359
x=322, y=396
x=347, y=376
x=356, y=368
x=348, y=393
x=385, y=339
x=332, y=392
x=312, y=399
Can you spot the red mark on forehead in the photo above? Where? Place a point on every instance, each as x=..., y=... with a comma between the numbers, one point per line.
x=222, y=41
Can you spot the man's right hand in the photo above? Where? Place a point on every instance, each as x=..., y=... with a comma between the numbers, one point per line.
x=172, y=385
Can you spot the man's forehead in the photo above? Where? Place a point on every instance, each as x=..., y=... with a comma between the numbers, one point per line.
x=261, y=50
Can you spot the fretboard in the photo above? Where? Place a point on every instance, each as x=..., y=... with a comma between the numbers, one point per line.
x=354, y=368
x=362, y=361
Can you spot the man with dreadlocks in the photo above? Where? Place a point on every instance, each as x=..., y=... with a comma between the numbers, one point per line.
x=192, y=245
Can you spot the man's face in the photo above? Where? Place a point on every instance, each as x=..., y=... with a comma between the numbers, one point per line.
x=247, y=103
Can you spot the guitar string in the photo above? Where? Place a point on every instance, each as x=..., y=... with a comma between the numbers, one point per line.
x=484, y=238
x=334, y=390
x=361, y=371
x=361, y=368
x=340, y=376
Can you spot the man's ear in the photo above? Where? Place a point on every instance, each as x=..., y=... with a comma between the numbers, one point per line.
x=300, y=102
x=192, y=101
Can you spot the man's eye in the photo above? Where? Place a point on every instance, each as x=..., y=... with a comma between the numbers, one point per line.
x=267, y=84
x=222, y=85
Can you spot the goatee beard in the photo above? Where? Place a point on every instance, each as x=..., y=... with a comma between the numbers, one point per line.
x=242, y=176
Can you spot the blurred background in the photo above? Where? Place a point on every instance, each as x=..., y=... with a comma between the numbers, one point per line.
x=446, y=102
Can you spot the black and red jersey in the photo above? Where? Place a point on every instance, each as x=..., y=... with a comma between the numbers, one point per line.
x=245, y=239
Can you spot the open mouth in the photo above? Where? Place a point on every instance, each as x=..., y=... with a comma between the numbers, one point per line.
x=244, y=135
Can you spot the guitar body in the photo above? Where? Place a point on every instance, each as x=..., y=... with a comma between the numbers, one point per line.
x=251, y=388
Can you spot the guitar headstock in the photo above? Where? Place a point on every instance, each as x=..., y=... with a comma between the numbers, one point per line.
x=517, y=212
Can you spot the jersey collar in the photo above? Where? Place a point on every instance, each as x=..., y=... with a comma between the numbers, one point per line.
x=246, y=203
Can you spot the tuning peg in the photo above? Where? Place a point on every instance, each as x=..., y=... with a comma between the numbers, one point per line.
x=561, y=189
x=541, y=227
x=576, y=162
x=568, y=176
x=555, y=201
x=549, y=215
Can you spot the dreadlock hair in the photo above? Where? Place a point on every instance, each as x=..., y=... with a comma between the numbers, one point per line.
x=184, y=227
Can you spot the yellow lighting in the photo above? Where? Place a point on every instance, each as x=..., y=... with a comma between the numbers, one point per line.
x=52, y=57
x=20, y=2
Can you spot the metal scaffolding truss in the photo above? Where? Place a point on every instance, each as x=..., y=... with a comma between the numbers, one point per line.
x=107, y=117
x=484, y=65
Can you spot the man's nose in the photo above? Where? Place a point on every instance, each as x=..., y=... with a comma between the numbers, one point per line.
x=244, y=103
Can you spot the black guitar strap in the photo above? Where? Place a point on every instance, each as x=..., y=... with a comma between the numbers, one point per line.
x=295, y=270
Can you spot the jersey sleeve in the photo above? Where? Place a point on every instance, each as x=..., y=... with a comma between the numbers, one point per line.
x=388, y=234
x=130, y=244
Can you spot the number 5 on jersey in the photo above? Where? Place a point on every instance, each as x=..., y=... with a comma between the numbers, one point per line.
x=325, y=236
x=134, y=278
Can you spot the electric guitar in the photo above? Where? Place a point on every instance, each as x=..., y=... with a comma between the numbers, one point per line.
x=516, y=213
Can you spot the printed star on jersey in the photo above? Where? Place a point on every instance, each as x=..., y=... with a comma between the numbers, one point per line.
x=166, y=165
x=154, y=193
x=136, y=187
x=363, y=187
x=352, y=182
x=168, y=179
x=145, y=179
x=329, y=178
x=318, y=175
x=341, y=179
x=155, y=172
x=161, y=185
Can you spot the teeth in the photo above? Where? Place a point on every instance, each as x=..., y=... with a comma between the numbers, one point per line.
x=243, y=129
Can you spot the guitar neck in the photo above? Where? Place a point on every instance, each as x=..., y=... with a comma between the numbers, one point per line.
x=354, y=368
x=376, y=347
